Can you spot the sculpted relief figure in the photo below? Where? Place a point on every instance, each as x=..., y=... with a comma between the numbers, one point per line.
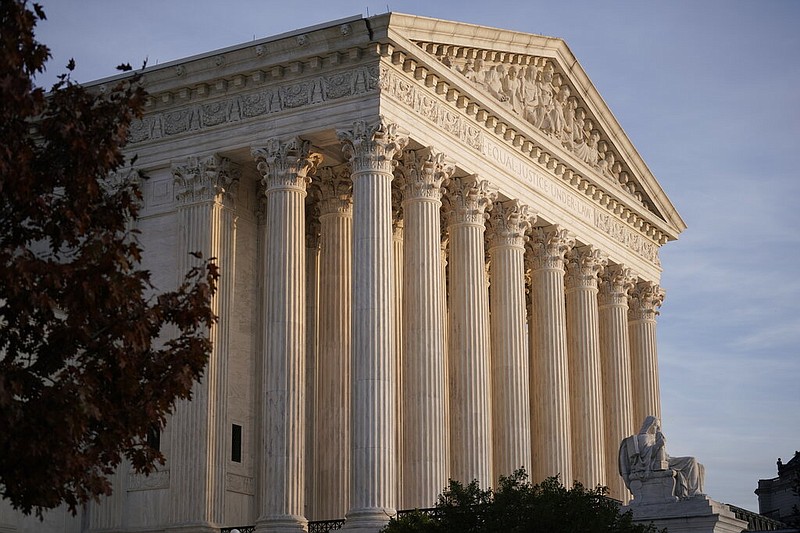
x=644, y=463
x=469, y=70
x=543, y=97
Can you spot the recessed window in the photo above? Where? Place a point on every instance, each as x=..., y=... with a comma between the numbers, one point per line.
x=236, y=443
x=154, y=437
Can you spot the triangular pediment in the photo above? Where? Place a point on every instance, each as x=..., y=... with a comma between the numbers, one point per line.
x=537, y=82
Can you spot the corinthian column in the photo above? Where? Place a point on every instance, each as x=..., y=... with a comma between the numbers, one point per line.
x=646, y=297
x=470, y=411
x=509, y=222
x=285, y=167
x=615, y=361
x=333, y=391
x=205, y=192
x=425, y=455
x=370, y=148
x=550, y=431
x=397, y=280
x=312, y=314
x=585, y=377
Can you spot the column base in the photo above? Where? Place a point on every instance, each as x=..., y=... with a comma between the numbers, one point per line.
x=282, y=524
x=368, y=520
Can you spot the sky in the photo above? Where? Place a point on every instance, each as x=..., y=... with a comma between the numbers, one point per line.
x=708, y=92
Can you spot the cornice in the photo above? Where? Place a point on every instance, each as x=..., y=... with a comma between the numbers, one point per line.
x=297, y=45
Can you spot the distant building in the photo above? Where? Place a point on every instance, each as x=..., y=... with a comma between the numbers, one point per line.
x=779, y=497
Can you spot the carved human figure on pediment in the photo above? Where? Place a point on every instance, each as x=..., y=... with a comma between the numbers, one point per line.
x=578, y=131
x=530, y=94
x=494, y=82
x=545, y=94
x=557, y=121
x=469, y=71
x=588, y=151
x=643, y=457
x=512, y=88
x=570, y=111
x=602, y=163
x=608, y=165
x=616, y=169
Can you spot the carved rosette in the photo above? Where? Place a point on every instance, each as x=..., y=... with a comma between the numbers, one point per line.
x=645, y=299
x=333, y=190
x=548, y=246
x=584, y=265
x=286, y=164
x=468, y=200
x=616, y=282
x=205, y=179
x=372, y=146
x=423, y=173
x=508, y=224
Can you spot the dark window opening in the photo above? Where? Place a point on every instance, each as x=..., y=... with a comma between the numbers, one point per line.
x=154, y=438
x=236, y=443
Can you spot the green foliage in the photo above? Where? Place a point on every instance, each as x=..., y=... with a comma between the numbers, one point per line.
x=85, y=367
x=517, y=506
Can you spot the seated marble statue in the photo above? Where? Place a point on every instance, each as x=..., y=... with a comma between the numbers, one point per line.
x=644, y=456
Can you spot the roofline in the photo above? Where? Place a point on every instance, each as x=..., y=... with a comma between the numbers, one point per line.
x=227, y=49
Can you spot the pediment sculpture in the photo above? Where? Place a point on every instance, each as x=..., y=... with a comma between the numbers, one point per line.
x=651, y=474
x=543, y=97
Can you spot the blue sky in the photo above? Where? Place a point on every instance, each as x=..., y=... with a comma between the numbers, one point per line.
x=709, y=93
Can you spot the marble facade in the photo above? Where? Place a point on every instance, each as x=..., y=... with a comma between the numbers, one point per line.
x=439, y=258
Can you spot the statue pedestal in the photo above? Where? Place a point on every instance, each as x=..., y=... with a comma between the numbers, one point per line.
x=657, y=487
x=699, y=514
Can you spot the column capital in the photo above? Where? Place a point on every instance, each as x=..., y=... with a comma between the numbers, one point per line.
x=547, y=247
x=468, y=200
x=286, y=164
x=372, y=146
x=645, y=299
x=423, y=173
x=509, y=221
x=205, y=179
x=584, y=265
x=333, y=190
x=616, y=282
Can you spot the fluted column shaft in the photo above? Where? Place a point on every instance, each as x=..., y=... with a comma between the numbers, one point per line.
x=425, y=455
x=615, y=361
x=205, y=191
x=470, y=403
x=585, y=376
x=312, y=370
x=285, y=167
x=397, y=252
x=550, y=431
x=645, y=299
x=509, y=222
x=333, y=396
x=373, y=489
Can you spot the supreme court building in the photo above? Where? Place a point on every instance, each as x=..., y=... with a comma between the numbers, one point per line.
x=439, y=259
